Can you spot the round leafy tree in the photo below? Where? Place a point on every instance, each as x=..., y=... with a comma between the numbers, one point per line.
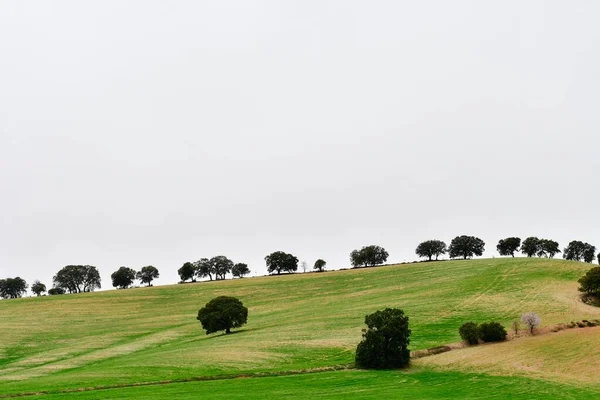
x=385, y=342
x=221, y=314
x=590, y=282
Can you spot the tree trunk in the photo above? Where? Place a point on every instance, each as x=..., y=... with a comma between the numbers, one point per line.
x=227, y=331
x=429, y=258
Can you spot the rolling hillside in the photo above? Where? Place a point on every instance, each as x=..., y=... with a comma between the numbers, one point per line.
x=297, y=323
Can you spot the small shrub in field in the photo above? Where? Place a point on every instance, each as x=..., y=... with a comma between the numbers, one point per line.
x=469, y=332
x=532, y=320
x=516, y=325
x=492, y=332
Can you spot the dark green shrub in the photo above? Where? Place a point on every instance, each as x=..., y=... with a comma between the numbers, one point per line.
x=492, y=332
x=469, y=332
x=385, y=341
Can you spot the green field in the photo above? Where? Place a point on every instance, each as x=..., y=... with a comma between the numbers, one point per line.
x=302, y=323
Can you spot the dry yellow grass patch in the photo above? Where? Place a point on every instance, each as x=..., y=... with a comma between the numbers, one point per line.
x=571, y=356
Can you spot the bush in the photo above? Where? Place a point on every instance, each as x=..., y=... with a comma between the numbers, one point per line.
x=469, y=332
x=385, y=342
x=492, y=332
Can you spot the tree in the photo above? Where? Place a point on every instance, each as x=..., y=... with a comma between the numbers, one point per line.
x=589, y=253
x=532, y=320
x=239, y=270
x=368, y=256
x=304, y=266
x=547, y=248
x=469, y=332
x=38, y=288
x=147, y=274
x=466, y=247
x=590, y=282
x=508, y=246
x=12, y=288
x=187, y=271
x=575, y=250
x=123, y=277
x=492, y=332
x=77, y=278
x=320, y=265
x=530, y=246
x=222, y=314
x=385, y=341
x=280, y=261
x=56, y=291
x=221, y=266
x=598, y=258
x=431, y=248
x=204, y=268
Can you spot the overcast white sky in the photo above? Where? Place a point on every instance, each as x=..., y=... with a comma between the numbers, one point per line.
x=159, y=132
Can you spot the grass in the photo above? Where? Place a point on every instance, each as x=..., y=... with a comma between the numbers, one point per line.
x=295, y=322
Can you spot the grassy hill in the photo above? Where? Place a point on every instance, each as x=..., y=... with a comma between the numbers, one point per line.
x=299, y=322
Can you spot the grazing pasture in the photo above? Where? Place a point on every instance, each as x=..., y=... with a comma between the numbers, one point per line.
x=304, y=323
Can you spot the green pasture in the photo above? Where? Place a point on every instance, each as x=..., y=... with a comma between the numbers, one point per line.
x=297, y=322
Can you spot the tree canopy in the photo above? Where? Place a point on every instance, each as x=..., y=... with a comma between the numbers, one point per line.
x=466, y=247
x=123, y=277
x=204, y=268
x=578, y=251
x=530, y=246
x=239, y=270
x=368, y=256
x=280, y=261
x=508, y=246
x=590, y=282
x=221, y=266
x=222, y=314
x=320, y=265
x=12, y=288
x=431, y=248
x=38, y=288
x=77, y=278
x=187, y=271
x=385, y=341
x=147, y=274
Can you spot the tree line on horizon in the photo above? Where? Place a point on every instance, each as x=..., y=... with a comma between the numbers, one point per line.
x=86, y=278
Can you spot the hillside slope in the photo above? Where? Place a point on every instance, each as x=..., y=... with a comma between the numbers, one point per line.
x=295, y=322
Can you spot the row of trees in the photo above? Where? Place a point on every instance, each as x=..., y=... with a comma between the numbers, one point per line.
x=215, y=268
x=124, y=276
x=469, y=246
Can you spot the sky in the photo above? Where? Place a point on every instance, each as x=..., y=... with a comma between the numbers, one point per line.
x=138, y=133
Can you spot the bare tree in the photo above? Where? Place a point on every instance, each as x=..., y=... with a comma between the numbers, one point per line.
x=304, y=266
x=516, y=325
x=532, y=320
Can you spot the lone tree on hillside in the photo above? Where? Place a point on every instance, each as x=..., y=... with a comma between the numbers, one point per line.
x=385, y=341
x=320, y=265
x=77, y=278
x=508, y=246
x=147, y=274
x=532, y=320
x=222, y=314
x=547, y=248
x=239, y=270
x=590, y=282
x=221, y=266
x=187, y=271
x=466, y=247
x=38, y=288
x=12, y=288
x=204, y=268
x=577, y=250
x=530, y=246
x=368, y=256
x=280, y=261
x=123, y=277
x=431, y=248
x=304, y=266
